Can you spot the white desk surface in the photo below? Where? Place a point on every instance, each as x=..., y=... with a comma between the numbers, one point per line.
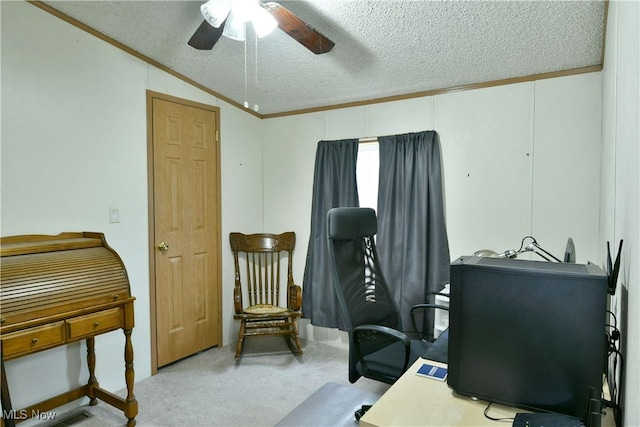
x=418, y=401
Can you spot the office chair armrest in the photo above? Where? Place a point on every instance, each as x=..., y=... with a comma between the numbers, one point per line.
x=295, y=297
x=378, y=342
x=423, y=307
x=394, y=333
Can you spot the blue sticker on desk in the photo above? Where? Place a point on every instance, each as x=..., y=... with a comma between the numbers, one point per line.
x=431, y=371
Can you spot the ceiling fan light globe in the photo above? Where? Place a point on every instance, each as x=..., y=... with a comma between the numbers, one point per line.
x=263, y=22
x=243, y=9
x=215, y=11
x=235, y=28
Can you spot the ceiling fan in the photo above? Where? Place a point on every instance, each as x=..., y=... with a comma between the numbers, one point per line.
x=229, y=17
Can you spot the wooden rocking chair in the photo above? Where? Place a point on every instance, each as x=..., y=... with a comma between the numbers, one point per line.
x=265, y=313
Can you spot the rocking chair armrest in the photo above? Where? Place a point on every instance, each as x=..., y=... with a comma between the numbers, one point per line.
x=237, y=299
x=295, y=297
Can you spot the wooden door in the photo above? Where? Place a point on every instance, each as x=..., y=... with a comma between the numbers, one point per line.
x=186, y=187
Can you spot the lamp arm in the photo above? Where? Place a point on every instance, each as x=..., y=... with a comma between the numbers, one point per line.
x=547, y=253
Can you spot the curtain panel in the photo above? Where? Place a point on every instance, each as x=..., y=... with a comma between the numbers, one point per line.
x=412, y=238
x=334, y=185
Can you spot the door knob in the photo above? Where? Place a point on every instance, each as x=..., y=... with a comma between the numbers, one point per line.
x=163, y=246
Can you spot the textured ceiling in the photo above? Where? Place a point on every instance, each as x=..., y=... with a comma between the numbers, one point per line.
x=383, y=48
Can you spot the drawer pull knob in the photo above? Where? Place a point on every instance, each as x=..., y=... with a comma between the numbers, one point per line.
x=115, y=296
x=35, y=340
x=96, y=324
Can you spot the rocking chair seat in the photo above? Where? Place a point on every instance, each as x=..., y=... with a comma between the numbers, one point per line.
x=265, y=309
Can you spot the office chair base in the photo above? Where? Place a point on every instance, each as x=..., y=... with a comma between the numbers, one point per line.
x=360, y=412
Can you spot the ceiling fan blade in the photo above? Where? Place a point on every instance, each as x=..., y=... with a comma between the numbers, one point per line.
x=206, y=36
x=306, y=35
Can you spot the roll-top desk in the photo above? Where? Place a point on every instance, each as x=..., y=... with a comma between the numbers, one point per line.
x=55, y=290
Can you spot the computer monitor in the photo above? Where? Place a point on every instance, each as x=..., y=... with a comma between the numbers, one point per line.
x=528, y=334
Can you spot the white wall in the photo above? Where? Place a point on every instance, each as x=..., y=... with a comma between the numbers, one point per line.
x=487, y=150
x=74, y=143
x=620, y=186
x=518, y=160
x=566, y=170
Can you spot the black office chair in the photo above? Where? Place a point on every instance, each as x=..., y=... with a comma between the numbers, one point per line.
x=378, y=349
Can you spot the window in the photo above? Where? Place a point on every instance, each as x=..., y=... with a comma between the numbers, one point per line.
x=367, y=168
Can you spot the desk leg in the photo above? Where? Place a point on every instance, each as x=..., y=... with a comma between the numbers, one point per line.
x=91, y=363
x=131, y=404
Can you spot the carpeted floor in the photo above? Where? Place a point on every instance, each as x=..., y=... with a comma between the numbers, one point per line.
x=212, y=389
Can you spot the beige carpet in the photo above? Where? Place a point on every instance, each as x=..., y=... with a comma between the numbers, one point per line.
x=212, y=389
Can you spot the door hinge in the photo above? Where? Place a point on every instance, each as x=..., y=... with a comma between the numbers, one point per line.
x=217, y=136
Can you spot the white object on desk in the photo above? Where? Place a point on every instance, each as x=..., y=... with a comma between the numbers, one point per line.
x=441, y=317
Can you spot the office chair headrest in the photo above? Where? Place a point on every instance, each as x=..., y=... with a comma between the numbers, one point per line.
x=351, y=223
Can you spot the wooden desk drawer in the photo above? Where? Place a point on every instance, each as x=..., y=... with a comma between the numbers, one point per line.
x=93, y=324
x=33, y=339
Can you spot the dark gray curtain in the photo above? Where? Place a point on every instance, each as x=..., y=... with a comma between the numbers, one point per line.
x=412, y=238
x=334, y=185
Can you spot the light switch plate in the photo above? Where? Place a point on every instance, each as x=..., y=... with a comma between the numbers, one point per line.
x=114, y=214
